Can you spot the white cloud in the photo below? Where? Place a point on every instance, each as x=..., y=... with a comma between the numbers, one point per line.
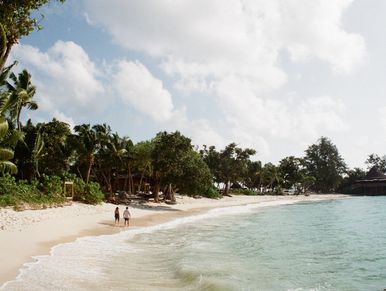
x=64, y=74
x=199, y=40
x=314, y=28
x=231, y=51
x=382, y=116
x=69, y=83
x=137, y=86
x=255, y=120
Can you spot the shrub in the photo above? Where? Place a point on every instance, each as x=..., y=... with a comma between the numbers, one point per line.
x=8, y=185
x=14, y=193
x=51, y=186
x=87, y=193
x=212, y=192
x=244, y=192
x=47, y=191
x=93, y=193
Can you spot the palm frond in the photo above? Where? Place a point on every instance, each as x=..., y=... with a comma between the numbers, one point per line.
x=6, y=154
x=13, y=137
x=3, y=127
x=8, y=167
x=32, y=105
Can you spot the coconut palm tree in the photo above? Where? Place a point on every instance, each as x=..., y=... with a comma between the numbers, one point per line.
x=37, y=152
x=271, y=176
x=109, y=158
x=129, y=160
x=22, y=93
x=87, y=145
x=6, y=153
x=8, y=138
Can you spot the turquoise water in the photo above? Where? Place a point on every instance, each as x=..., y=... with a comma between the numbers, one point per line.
x=329, y=245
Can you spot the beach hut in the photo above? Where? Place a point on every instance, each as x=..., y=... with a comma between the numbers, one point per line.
x=374, y=183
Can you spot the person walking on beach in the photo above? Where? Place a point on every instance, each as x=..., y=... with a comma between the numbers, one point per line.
x=116, y=215
x=127, y=216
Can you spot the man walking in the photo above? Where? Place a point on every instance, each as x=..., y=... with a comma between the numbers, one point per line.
x=126, y=216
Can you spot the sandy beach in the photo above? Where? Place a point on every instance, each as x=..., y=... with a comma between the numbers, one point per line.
x=30, y=233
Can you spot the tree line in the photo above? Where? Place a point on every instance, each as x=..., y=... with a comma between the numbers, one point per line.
x=35, y=159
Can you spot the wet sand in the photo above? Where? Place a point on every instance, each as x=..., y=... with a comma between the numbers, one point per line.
x=30, y=233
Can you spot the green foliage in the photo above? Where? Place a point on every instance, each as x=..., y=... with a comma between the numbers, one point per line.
x=324, y=163
x=177, y=163
x=196, y=177
x=23, y=153
x=87, y=193
x=14, y=193
x=271, y=178
x=229, y=165
x=347, y=185
x=253, y=175
x=377, y=161
x=248, y=192
x=87, y=142
x=212, y=192
x=22, y=92
x=18, y=19
x=58, y=149
x=51, y=186
x=291, y=170
x=3, y=43
x=6, y=152
x=169, y=153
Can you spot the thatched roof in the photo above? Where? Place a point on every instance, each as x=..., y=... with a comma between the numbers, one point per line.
x=374, y=174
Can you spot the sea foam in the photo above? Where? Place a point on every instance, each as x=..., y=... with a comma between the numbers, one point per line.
x=80, y=260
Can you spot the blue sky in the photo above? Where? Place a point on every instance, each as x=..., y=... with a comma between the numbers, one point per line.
x=274, y=75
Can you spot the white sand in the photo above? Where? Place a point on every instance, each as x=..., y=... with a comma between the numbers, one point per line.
x=34, y=232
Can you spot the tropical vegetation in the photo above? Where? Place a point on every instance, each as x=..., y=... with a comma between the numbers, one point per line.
x=36, y=159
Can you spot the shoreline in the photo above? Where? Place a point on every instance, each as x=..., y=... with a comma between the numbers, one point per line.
x=31, y=233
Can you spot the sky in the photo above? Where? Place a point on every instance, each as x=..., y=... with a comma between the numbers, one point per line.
x=272, y=75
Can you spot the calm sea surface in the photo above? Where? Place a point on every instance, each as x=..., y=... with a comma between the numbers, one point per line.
x=329, y=245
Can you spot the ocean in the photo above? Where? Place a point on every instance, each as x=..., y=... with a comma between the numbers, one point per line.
x=326, y=245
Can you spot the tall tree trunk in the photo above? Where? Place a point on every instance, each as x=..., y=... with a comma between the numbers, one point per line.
x=89, y=166
x=37, y=169
x=226, y=192
x=156, y=191
x=125, y=183
x=171, y=194
x=6, y=55
x=140, y=183
x=130, y=179
x=18, y=118
x=107, y=178
x=132, y=184
x=80, y=173
x=66, y=165
x=167, y=193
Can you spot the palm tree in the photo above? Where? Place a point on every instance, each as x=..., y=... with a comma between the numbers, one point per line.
x=37, y=152
x=110, y=155
x=87, y=145
x=129, y=159
x=22, y=93
x=271, y=177
x=6, y=153
x=8, y=138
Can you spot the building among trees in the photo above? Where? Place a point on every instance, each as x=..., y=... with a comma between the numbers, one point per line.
x=374, y=183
